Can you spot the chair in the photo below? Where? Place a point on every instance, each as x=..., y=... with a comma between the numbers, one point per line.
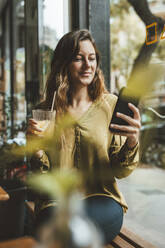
x=12, y=211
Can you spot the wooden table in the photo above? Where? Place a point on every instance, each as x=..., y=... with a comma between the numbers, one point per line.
x=3, y=195
x=24, y=242
x=125, y=239
x=128, y=239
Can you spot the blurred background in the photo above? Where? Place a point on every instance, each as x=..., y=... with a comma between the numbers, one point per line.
x=29, y=32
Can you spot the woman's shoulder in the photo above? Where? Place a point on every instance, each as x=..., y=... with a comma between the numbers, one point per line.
x=111, y=98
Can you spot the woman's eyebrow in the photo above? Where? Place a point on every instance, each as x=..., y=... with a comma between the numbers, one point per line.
x=80, y=54
x=92, y=54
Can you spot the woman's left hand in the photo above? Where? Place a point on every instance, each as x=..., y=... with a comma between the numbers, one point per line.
x=133, y=129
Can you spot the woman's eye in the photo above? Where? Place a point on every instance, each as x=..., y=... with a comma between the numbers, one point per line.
x=83, y=59
x=78, y=58
x=92, y=59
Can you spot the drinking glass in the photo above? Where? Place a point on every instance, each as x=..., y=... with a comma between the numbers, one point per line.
x=45, y=120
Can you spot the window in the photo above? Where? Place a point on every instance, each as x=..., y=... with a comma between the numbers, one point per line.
x=19, y=82
x=12, y=72
x=144, y=188
x=55, y=21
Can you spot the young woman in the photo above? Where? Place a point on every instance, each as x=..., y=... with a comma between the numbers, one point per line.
x=89, y=146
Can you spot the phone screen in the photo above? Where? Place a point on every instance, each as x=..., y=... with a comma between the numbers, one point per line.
x=122, y=107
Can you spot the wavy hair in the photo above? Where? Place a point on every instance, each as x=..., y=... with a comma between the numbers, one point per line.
x=58, y=79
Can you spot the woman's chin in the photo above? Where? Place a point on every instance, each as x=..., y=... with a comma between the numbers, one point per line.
x=86, y=82
x=82, y=83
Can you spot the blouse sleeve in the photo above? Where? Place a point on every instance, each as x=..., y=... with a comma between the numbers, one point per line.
x=41, y=164
x=122, y=159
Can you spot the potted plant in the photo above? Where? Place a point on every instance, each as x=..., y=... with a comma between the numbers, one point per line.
x=69, y=225
x=12, y=158
x=10, y=162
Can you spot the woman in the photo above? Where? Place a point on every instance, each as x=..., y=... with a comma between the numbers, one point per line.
x=90, y=146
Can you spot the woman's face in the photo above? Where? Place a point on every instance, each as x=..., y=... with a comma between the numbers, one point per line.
x=83, y=67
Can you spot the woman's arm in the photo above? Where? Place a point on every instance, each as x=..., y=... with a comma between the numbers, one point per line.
x=123, y=152
x=39, y=160
x=123, y=159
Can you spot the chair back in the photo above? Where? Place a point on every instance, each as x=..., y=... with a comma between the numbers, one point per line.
x=12, y=211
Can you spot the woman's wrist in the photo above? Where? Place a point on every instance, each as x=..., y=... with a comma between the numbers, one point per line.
x=131, y=143
x=39, y=154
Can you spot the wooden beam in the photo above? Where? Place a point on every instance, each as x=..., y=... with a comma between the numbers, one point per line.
x=134, y=239
x=3, y=195
x=121, y=243
x=25, y=242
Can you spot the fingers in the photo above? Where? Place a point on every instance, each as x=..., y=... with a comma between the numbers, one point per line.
x=131, y=133
x=134, y=121
x=131, y=121
x=132, y=130
x=126, y=134
x=32, y=121
x=123, y=128
x=135, y=111
x=33, y=128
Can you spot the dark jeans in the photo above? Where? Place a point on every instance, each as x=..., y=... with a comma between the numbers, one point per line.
x=104, y=212
x=107, y=214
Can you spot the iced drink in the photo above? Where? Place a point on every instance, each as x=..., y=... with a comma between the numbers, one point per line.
x=45, y=121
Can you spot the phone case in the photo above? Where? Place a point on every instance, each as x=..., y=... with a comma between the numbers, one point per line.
x=122, y=107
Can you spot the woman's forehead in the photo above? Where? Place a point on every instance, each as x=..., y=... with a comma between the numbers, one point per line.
x=86, y=46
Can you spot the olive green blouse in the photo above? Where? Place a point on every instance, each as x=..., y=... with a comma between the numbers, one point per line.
x=92, y=148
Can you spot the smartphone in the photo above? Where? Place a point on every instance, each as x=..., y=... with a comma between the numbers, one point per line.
x=122, y=107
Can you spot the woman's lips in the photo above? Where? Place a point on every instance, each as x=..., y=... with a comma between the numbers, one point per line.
x=86, y=74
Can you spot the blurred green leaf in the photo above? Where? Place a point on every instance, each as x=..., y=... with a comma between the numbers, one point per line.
x=58, y=184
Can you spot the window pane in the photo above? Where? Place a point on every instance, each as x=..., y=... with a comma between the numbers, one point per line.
x=19, y=85
x=55, y=22
x=144, y=188
x=5, y=86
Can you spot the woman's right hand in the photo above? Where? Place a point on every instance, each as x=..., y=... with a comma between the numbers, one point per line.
x=33, y=129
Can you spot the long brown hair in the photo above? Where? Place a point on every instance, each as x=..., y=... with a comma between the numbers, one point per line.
x=58, y=80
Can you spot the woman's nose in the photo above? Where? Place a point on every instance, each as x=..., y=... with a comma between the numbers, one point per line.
x=87, y=63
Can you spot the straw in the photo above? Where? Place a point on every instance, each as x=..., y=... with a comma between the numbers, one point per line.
x=54, y=97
